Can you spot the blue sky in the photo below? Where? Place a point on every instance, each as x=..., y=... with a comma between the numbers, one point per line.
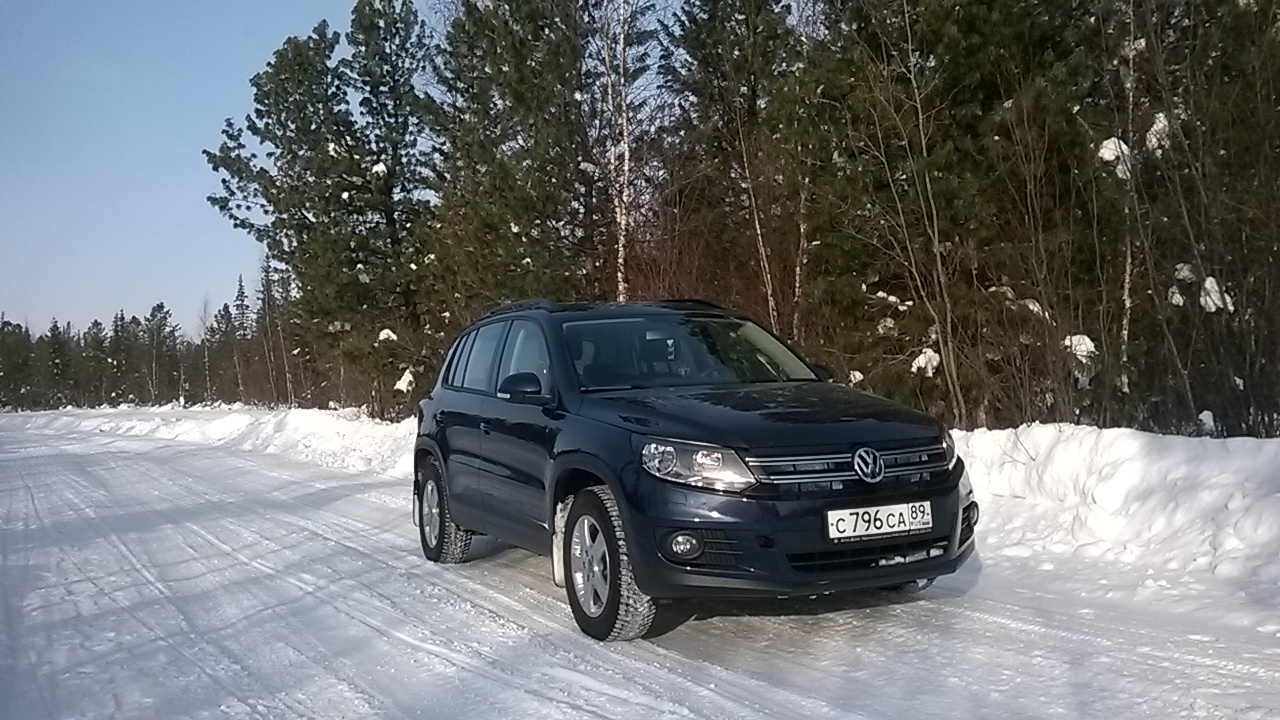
x=104, y=109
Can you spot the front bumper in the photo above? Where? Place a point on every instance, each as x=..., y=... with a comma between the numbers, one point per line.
x=764, y=547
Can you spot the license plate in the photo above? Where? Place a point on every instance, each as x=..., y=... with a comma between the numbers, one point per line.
x=883, y=521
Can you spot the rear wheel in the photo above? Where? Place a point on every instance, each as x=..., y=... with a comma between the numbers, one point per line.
x=602, y=592
x=442, y=540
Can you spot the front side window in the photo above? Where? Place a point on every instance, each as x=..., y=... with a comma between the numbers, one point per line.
x=675, y=350
x=526, y=351
x=478, y=374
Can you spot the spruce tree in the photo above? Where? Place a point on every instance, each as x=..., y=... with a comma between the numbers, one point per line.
x=126, y=351
x=16, y=354
x=241, y=318
x=54, y=366
x=222, y=341
x=94, y=365
x=163, y=368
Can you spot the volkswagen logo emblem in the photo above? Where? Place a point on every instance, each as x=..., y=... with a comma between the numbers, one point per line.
x=869, y=465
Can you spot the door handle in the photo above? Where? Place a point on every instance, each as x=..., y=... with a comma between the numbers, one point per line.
x=486, y=427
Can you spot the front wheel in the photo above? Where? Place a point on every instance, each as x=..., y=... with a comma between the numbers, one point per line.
x=442, y=540
x=602, y=592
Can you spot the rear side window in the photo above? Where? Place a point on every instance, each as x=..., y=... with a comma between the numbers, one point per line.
x=458, y=361
x=478, y=374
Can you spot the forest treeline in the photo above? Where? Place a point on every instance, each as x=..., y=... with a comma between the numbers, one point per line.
x=1001, y=211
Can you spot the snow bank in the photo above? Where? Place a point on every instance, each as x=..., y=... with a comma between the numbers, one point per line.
x=344, y=439
x=1190, y=507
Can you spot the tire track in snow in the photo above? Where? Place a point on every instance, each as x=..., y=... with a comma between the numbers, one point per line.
x=339, y=601
x=349, y=688
x=1190, y=677
x=17, y=682
x=303, y=705
x=501, y=609
x=210, y=667
x=1137, y=644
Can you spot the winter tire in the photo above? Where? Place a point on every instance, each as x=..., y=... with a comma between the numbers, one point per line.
x=602, y=592
x=442, y=540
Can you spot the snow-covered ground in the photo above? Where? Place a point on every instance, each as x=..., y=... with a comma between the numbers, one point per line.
x=243, y=563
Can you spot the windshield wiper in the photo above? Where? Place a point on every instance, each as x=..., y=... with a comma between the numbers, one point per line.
x=609, y=388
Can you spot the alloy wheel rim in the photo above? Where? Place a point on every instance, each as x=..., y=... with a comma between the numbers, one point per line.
x=589, y=566
x=431, y=513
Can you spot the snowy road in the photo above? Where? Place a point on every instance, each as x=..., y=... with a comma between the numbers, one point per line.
x=158, y=579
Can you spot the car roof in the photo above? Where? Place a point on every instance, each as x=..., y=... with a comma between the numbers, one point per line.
x=590, y=310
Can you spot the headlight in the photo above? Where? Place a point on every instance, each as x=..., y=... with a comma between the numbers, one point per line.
x=949, y=444
x=705, y=466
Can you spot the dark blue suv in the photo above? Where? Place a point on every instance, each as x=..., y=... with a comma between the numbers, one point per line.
x=673, y=450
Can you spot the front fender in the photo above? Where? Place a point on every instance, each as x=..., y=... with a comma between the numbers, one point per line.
x=563, y=468
x=566, y=472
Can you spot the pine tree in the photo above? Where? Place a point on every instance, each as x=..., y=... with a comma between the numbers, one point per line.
x=339, y=190
x=518, y=215
x=386, y=69
x=723, y=61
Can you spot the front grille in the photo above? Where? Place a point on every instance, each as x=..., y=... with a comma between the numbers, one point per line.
x=862, y=558
x=911, y=464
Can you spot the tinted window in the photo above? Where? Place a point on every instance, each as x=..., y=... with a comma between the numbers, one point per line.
x=484, y=351
x=526, y=351
x=671, y=350
x=459, y=360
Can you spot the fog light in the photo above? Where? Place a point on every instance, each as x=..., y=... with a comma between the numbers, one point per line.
x=684, y=545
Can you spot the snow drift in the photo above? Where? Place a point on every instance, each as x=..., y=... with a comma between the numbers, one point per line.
x=1194, y=510
x=344, y=439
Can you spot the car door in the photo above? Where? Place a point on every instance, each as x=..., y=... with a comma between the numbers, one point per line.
x=520, y=444
x=463, y=420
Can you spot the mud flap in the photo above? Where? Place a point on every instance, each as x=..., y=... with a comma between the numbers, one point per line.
x=557, y=541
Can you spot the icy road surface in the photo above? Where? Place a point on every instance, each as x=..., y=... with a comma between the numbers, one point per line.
x=146, y=578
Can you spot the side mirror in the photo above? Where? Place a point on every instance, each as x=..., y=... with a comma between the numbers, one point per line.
x=823, y=372
x=523, y=388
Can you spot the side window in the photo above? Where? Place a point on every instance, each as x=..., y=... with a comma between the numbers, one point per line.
x=526, y=351
x=484, y=353
x=458, y=361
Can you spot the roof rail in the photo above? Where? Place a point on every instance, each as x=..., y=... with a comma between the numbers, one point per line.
x=693, y=301
x=531, y=304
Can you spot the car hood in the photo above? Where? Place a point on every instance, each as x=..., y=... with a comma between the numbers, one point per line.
x=775, y=415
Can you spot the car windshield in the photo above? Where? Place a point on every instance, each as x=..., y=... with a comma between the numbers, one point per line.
x=675, y=350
